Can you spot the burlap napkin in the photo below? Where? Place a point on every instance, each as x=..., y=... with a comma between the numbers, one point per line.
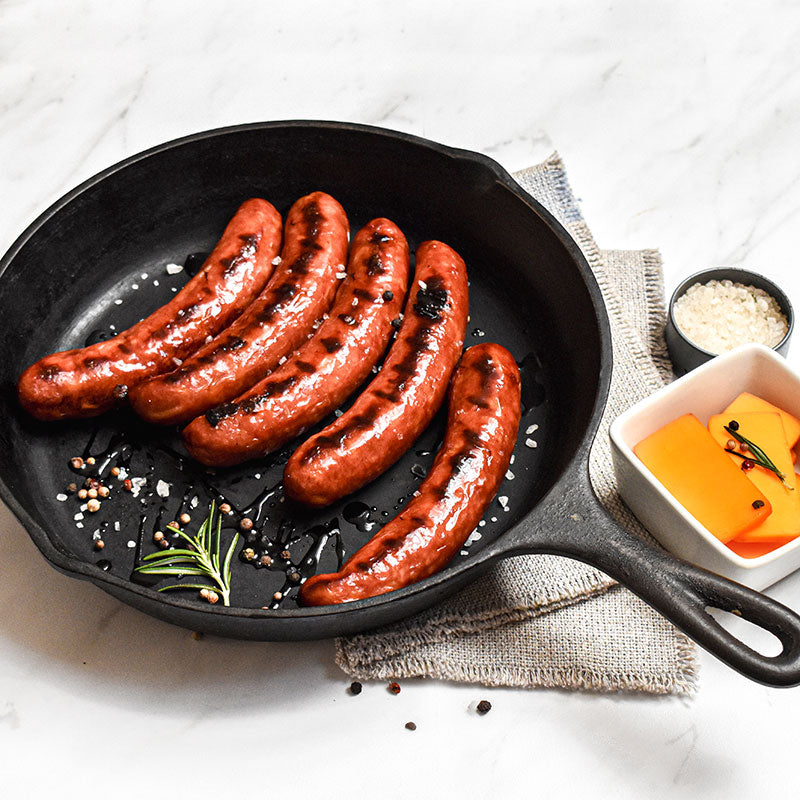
x=545, y=620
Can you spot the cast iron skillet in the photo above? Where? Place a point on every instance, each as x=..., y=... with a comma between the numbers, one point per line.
x=531, y=290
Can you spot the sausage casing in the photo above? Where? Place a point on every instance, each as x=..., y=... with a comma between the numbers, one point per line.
x=401, y=401
x=87, y=381
x=482, y=423
x=326, y=369
x=276, y=323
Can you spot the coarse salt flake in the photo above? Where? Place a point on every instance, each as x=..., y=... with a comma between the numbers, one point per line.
x=530, y=443
x=174, y=269
x=341, y=275
x=721, y=315
x=131, y=543
x=531, y=429
x=509, y=475
x=61, y=497
x=118, y=302
x=277, y=260
x=162, y=489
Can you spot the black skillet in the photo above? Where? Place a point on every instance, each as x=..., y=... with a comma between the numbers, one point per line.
x=531, y=290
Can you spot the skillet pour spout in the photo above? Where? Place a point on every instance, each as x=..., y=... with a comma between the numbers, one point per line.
x=573, y=523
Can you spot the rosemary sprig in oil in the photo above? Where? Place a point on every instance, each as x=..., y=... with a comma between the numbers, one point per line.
x=200, y=557
x=755, y=454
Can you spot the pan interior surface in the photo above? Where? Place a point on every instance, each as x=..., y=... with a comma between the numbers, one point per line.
x=98, y=262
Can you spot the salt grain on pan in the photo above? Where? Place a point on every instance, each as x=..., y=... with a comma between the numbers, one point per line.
x=531, y=429
x=721, y=315
x=162, y=489
x=482, y=523
x=61, y=497
x=530, y=443
x=78, y=524
x=78, y=516
x=338, y=413
x=512, y=458
x=118, y=302
x=116, y=525
x=131, y=543
x=503, y=500
x=194, y=502
x=509, y=475
x=174, y=269
x=144, y=276
x=155, y=283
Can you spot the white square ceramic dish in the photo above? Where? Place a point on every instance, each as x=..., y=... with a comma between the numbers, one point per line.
x=703, y=392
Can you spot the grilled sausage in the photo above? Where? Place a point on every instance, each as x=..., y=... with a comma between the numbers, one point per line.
x=481, y=431
x=400, y=402
x=325, y=370
x=88, y=381
x=277, y=322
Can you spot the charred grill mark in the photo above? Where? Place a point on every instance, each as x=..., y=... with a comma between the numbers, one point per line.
x=312, y=216
x=310, y=244
x=126, y=351
x=305, y=366
x=49, y=372
x=407, y=368
x=338, y=438
x=215, y=415
x=300, y=265
x=479, y=402
x=331, y=345
x=363, y=294
x=282, y=293
x=375, y=265
x=252, y=404
x=231, y=343
x=488, y=371
x=94, y=363
x=379, y=237
x=431, y=300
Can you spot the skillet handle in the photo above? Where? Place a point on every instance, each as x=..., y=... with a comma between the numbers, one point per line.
x=573, y=523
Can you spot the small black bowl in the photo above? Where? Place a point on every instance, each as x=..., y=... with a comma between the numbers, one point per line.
x=685, y=354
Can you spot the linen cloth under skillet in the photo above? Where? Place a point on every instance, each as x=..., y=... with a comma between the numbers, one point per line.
x=544, y=620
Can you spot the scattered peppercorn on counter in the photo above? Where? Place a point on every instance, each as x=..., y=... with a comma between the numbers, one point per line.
x=737, y=476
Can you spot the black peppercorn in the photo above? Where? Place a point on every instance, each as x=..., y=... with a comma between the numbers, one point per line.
x=411, y=726
x=394, y=687
x=733, y=425
x=484, y=707
x=355, y=687
x=758, y=503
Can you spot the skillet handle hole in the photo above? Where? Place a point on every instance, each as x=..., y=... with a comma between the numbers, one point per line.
x=754, y=636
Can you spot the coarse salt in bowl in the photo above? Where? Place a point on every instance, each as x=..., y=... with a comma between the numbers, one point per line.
x=717, y=310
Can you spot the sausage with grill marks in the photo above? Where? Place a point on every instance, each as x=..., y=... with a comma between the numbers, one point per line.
x=325, y=370
x=277, y=322
x=483, y=419
x=87, y=381
x=401, y=401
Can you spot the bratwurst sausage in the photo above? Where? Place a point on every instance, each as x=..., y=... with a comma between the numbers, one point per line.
x=400, y=402
x=482, y=424
x=277, y=322
x=88, y=381
x=325, y=370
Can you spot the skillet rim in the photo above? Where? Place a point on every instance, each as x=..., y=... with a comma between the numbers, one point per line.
x=88, y=571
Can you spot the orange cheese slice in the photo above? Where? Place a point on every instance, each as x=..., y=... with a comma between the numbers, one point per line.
x=700, y=475
x=766, y=429
x=756, y=549
x=746, y=403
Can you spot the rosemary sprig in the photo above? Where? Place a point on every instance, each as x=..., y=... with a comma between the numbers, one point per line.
x=200, y=557
x=756, y=454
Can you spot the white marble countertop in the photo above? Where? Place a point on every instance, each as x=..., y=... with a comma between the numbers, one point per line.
x=678, y=123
